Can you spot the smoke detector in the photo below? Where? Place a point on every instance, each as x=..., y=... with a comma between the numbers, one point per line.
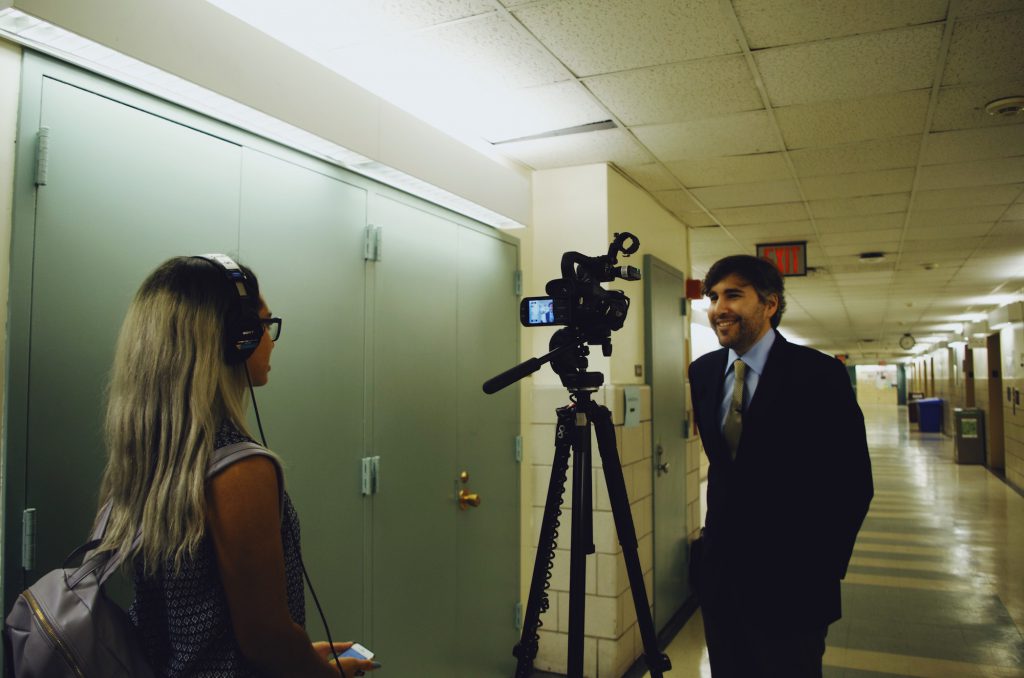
x=1005, y=107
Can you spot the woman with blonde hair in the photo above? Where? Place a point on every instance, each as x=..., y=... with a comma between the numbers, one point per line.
x=216, y=561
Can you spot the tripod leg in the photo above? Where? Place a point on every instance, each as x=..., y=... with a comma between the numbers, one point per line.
x=582, y=539
x=526, y=650
x=656, y=661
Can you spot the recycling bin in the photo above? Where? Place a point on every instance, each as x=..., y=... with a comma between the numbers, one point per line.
x=929, y=415
x=969, y=441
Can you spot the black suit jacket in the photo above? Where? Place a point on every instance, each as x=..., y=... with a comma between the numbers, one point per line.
x=783, y=516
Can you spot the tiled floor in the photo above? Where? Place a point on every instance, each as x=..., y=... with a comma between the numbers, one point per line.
x=936, y=584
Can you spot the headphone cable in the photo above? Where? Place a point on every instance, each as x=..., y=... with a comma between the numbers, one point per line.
x=291, y=526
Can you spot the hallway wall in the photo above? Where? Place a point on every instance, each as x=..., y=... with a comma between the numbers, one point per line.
x=1011, y=340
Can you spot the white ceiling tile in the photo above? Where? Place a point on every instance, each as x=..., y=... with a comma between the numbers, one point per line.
x=959, y=247
x=863, y=156
x=980, y=214
x=677, y=201
x=927, y=231
x=610, y=145
x=975, y=7
x=733, y=216
x=652, y=176
x=782, y=22
x=696, y=218
x=678, y=92
x=1014, y=228
x=831, y=124
x=710, y=236
x=861, y=237
x=743, y=195
x=974, y=144
x=871, y=222
x=735, y=169
x=776, y=232
x=985, y=48
x=601, y=36
x=965, y=197
x=737, y=134
x=852, y=207
x=850, y=68
x=1016, y=212
x=977, y=173
x=862, y=183
x=963, y=107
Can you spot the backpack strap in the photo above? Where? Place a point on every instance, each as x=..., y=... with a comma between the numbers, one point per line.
x=105, y=564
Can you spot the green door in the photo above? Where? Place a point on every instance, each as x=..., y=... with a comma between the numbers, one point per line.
x=124, y=191
x=413, y=387
x=487, y=536
x=664, y=289
x=302, y=232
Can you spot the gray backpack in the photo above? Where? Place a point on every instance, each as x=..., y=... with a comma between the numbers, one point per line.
x=65, y=626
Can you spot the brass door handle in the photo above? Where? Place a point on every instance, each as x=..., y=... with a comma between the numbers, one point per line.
x=468, y=499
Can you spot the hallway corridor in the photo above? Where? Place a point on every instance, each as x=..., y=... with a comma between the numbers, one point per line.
x=935, y=588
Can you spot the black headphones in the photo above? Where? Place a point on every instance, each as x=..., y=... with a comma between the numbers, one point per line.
x=243, y=326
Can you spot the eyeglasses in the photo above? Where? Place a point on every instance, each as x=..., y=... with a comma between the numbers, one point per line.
x=273, y=326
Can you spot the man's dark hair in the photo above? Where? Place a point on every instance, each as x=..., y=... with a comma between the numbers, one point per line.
x=761, y=274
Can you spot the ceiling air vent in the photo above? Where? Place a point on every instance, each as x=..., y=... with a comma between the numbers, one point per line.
x=578, y=129
x=871, y=257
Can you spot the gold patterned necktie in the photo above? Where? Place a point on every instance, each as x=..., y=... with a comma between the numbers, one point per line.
x=734, y=418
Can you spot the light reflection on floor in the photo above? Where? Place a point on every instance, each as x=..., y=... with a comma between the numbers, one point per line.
x=936, y=585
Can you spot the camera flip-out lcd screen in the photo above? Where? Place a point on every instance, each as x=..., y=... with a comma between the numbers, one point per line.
x=543, y=311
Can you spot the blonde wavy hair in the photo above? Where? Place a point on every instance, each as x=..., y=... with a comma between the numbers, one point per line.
x=170, y=389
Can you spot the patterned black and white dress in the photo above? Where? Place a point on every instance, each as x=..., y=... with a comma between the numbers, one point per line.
x=183, y=619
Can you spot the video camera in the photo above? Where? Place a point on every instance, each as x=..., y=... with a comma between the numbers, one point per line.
x=589, y=312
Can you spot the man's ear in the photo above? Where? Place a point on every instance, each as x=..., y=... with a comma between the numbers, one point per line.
x=772, y=302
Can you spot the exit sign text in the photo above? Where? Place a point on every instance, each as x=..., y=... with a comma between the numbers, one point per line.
x=789, y=257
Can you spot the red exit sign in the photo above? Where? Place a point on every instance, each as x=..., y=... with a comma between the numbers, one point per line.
x=789, y=257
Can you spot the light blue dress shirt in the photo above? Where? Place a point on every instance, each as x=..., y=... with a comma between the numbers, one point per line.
x=754, y=359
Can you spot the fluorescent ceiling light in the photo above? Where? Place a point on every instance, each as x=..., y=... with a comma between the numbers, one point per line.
x=49, y=39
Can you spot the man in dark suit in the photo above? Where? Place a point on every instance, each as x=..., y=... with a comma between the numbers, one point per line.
x=788, y=486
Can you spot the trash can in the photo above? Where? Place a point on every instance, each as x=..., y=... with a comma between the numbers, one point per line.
x=969, y=445
x=929, y=415
x=912, y=411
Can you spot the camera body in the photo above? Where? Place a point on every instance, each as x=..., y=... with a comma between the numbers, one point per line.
x=588, y=312
x=577, y=299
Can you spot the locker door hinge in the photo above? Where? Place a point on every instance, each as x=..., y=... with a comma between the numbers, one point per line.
x=519, y=449
x=28, y=539
x=42, y=155
x=371, y=475
x=682, y=306
x=374, y=241
x=519, y=616
x=517, y=283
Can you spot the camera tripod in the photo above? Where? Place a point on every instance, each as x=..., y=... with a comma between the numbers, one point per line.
x=572, y=435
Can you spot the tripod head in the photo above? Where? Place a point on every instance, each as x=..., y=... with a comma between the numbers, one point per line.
x=589, y=312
